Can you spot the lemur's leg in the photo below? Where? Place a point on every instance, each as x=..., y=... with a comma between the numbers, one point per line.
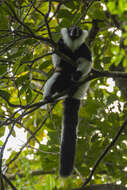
x=57, y=83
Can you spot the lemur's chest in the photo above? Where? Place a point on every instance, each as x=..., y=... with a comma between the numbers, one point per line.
x=74, y=55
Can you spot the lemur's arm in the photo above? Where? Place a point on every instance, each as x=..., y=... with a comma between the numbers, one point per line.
x=62, y=78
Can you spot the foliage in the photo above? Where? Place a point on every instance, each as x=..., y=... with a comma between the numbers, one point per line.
x=29, y=31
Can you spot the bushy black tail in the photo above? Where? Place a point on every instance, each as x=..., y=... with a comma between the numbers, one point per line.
x=68, y=143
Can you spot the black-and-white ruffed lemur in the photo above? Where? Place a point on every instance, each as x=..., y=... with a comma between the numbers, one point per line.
x=72, y=44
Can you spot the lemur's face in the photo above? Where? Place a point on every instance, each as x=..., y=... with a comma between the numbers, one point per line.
x=74, y=32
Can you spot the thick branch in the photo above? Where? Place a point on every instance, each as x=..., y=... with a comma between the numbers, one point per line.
x=94, y=74
x=32, y=173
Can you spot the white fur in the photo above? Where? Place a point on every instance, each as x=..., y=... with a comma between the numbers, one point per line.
x=73, y=45
x=55, y=59
x=81, y=91
x=84, y=66
x=49, y=84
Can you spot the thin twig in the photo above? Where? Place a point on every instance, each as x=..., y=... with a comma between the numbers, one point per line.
x=16, y=17
x=49, y=9
x=31, y=33
x=4, y=145
x=93, y=75
x=85, y=12
x=1, y=182
x=9, y=183
x=103, y=155
x=32, y=136
x=12, y=43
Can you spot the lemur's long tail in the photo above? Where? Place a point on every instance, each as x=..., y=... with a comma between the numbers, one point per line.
x=68, y=142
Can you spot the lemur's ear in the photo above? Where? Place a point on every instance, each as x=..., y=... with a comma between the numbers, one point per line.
x=85, y=33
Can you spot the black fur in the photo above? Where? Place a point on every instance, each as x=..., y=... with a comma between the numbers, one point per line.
x=61, y=83
x=67, y=76
x=69, y=133
x=82, y=51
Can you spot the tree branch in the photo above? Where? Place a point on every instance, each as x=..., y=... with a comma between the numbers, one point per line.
x=9, y=182
x=32, y=173
x=31, y=33
x=32, y=136
x=103, y=155
x=94, y=74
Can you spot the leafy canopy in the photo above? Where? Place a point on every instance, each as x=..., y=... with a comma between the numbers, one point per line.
x=29, y=31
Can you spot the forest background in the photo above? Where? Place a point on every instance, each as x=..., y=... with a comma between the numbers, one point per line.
x=30, y=129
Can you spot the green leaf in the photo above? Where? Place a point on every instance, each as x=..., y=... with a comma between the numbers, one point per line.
x=106, y=60
x=28, y=95
x=3, y=68
x=112, y=7
x=22, y=90
x=97, y=11
x=4, y=94
x=1, y=142
x=51, y=182
x=22, y=79
x=2, y=131
x=70, y=4
x=44, y=65
x=64, y=13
